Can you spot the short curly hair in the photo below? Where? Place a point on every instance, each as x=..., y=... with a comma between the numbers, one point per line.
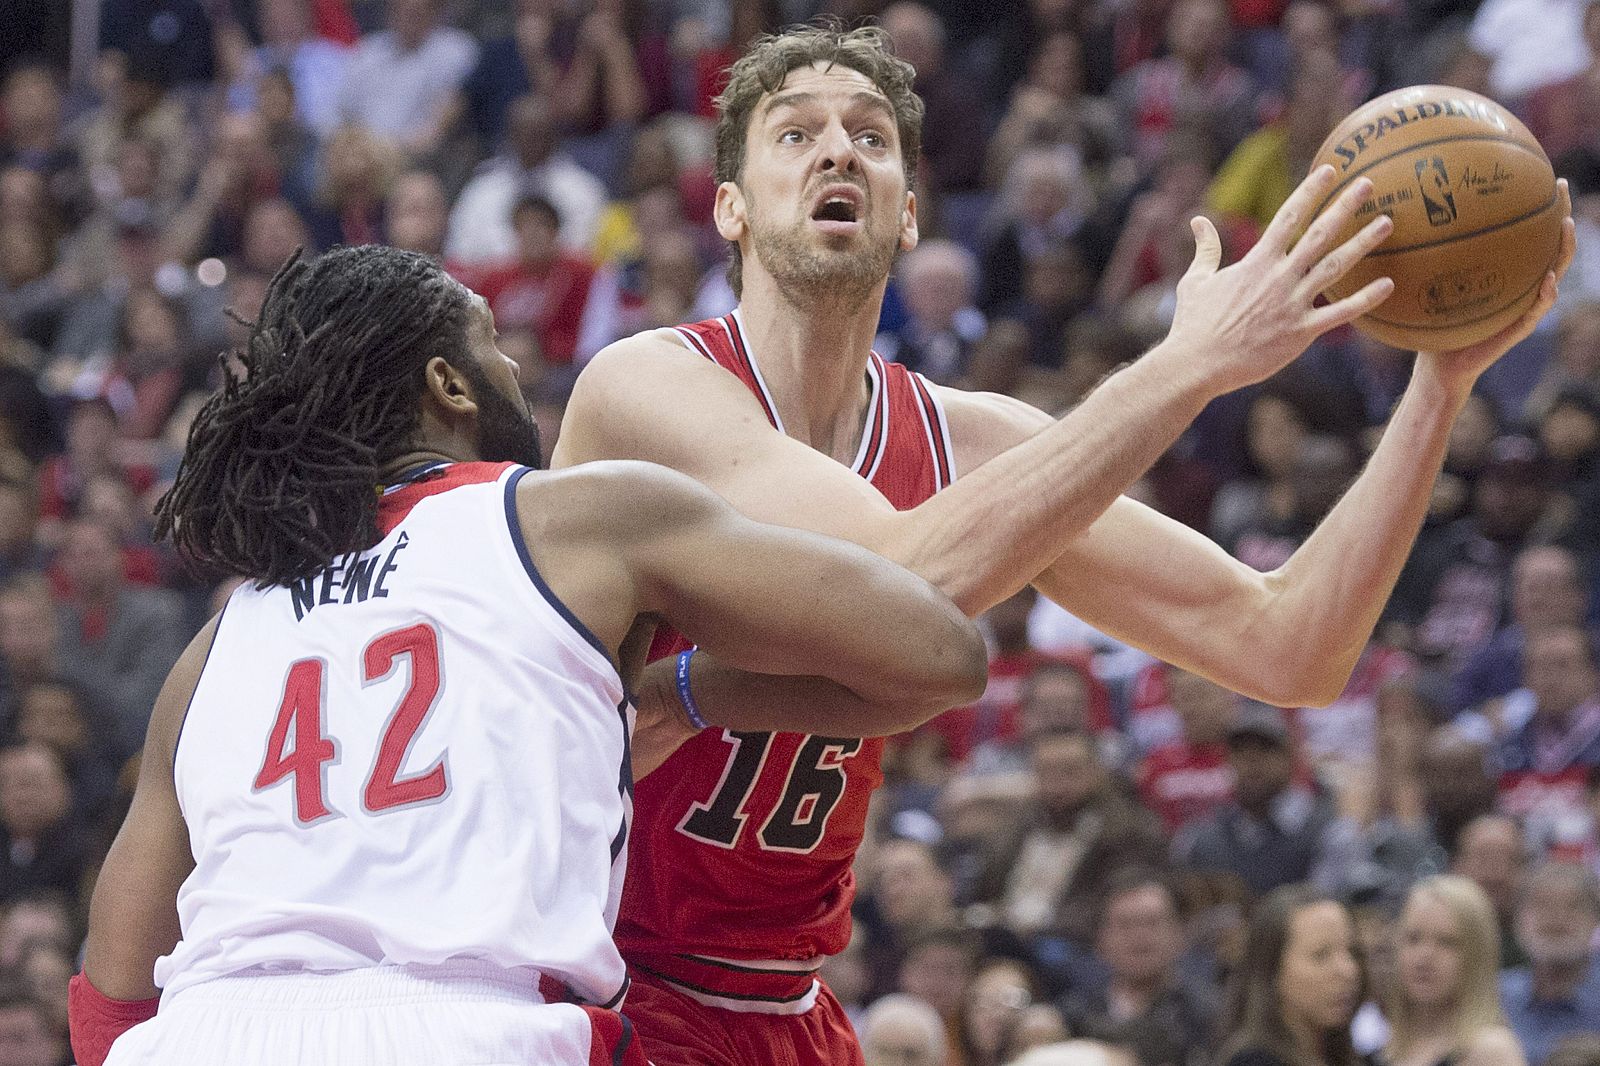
x=763, y=68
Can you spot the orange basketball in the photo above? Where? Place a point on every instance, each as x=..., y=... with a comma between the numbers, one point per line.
x=1476, y=218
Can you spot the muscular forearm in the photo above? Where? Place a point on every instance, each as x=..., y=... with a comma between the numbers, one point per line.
x=1329, y=594
x=997, y=527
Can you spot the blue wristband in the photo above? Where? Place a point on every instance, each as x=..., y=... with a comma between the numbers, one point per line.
x=685, y=696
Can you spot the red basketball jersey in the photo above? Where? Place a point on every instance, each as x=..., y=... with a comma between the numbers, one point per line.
x=739, y=878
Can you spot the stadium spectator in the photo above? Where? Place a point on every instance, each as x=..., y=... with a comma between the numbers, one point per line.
x=1545, y=761
x=121, y=639
x=56, y=713
x=911, y=895
x=532, y=163
x=1558, y=994
x=952, y=141
x=1453, y=591
x=1298, y=985
x=1050, y=109
x=938, y=968
x=1083, y=828
x=1188, y=780
x=140, y=107
x=313, y=65
x=1044, y=203
x=1274, y=832
x=357, y=169
x=1491, y=853
x=902, y=1030
x=1322, y=468
x=542, y=289
x=937, y=281
x=20, y=552
x=1001, y=991
x=416, y=212
x=1566, y=114
x=1444, y=1004
x=399, y=82
x=1145, y=1003
x=1547, y=589
x=1192, y=87
x=27, y=1036
x=42, y=847
x=1457, y=785
x=30, y=631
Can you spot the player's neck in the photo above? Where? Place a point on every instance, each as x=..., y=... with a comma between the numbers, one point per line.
x=814, y=361
x=395, y=469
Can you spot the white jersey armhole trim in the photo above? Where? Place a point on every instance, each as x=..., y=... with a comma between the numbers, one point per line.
x=588, y=645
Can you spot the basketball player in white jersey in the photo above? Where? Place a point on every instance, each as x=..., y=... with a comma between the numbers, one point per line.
x=384, y=799
x=816, y=143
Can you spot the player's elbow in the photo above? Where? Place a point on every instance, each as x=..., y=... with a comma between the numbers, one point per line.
x=951, y=670
x=1300, y=678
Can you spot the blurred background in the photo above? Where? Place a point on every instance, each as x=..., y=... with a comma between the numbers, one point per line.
x=1077, y=855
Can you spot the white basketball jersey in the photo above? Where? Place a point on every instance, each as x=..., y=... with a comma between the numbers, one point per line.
x=416, y=756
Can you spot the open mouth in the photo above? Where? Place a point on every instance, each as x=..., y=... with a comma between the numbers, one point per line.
x=835, y=209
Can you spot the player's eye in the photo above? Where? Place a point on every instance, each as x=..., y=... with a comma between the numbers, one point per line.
x=791, y=136
x=873, y=139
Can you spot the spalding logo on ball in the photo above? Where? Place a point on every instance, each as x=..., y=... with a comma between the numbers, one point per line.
x=1476, y=219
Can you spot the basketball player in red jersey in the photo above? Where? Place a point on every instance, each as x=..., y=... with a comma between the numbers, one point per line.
x=740, y=867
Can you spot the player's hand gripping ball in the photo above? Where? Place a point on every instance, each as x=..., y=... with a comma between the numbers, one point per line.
x=1477, y=221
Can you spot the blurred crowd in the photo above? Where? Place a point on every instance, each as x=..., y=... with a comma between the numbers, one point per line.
x=1079, y=854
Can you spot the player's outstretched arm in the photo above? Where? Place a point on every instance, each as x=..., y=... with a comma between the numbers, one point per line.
x=133, y=917
x=1289, y=637
x=859, y=646
x=990, y=533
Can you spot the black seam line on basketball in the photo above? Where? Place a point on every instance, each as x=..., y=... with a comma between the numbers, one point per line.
x=1455, y=325
x=1541, y=209
x=735, y=967
x=1348, y=178
x=669, y=979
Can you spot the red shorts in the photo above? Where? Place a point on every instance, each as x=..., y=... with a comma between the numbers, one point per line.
x=678, y=1031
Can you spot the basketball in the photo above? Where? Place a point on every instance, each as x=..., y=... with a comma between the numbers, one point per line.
x=1476, y=218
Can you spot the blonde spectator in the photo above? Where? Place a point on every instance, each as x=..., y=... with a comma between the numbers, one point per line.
x=1444, y=1008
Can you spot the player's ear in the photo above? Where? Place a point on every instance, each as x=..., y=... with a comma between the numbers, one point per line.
x=446, y=388
x=729, y=211
x=909, y=234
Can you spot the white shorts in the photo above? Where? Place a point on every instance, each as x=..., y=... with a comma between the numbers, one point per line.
x=456, y=1015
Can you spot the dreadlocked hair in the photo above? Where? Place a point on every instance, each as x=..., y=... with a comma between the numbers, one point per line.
x=280, y=472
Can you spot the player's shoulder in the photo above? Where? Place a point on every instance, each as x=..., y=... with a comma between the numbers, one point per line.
x=650, y=397
x=653, y=351
x=984, y=424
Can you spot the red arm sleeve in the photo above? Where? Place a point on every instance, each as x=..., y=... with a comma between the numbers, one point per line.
x=96, y=1020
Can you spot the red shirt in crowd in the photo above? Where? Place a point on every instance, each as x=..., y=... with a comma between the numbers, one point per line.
x=549, y=300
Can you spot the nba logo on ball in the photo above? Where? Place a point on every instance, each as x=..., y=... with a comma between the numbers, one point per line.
x=1434, y=181
x=1477, y=222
